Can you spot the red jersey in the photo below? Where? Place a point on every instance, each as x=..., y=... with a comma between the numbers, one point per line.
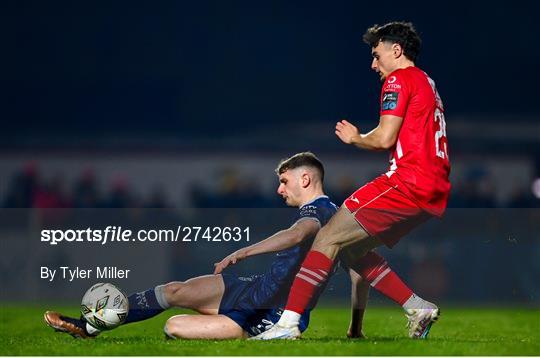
x=419, y=161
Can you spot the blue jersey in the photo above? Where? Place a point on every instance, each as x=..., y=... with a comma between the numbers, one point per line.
x=275, y=284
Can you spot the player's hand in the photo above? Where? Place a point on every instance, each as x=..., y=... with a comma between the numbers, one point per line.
x=346, y=131
x=229, y=260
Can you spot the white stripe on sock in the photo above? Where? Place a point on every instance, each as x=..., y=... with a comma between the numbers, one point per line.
x=309, y=272
x=307, y=279
x=380, y=277
x=323, y=272
x=378, y=268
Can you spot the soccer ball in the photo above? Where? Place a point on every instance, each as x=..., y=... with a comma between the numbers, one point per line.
x=104, y=306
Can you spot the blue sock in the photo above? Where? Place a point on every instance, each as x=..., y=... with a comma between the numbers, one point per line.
x=143, y=305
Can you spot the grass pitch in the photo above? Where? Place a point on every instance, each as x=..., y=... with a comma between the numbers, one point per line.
x=458, y=332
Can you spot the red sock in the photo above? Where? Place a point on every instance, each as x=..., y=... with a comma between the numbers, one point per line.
x=312, y=275
x=374, y=268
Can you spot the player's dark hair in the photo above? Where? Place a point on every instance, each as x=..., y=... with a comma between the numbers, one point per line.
x=304, y=159
x=402, y=33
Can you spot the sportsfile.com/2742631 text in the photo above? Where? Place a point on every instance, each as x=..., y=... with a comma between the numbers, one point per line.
x=119, y=234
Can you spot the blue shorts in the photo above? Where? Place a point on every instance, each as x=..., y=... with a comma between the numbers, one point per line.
x=241, y=302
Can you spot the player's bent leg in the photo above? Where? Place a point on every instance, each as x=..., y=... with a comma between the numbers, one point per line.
x=421, y=314
x=202, y=294
x=203, y=327
x=342, y=231
x=375, y=270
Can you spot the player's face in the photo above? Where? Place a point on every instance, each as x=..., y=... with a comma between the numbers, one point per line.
x=290, y=187
x=383, y=59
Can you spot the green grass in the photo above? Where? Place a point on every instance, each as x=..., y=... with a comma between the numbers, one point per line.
x=458, y=332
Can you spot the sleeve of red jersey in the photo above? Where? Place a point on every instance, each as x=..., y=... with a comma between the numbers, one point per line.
x=394, y=96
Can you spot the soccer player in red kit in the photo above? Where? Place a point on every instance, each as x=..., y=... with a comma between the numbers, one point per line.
x=414, y=189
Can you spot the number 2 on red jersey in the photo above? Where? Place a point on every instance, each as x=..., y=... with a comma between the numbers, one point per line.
x=441, y=146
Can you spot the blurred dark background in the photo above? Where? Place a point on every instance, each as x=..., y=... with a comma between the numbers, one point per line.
x=214, y=67
x=192, y=104
x=94, y=83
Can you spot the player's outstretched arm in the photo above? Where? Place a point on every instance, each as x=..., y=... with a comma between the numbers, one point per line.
x=281, y=240
x=383, y=137
x=359, y=298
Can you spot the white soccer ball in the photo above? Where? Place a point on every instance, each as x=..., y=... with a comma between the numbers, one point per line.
x=104, y=306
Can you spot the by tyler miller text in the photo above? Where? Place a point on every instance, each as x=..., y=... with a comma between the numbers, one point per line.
x=78, y=273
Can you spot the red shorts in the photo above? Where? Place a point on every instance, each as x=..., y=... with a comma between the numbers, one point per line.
x=384, y=211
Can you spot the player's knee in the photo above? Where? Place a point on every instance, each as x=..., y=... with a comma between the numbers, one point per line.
x=173, y=291
x=168, y=329
x=172, y=328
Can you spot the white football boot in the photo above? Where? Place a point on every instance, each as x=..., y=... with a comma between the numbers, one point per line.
x=279, y=332
x=420, y=321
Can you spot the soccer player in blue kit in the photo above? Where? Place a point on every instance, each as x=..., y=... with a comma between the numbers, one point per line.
x=231, y=306
x=240, y=307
